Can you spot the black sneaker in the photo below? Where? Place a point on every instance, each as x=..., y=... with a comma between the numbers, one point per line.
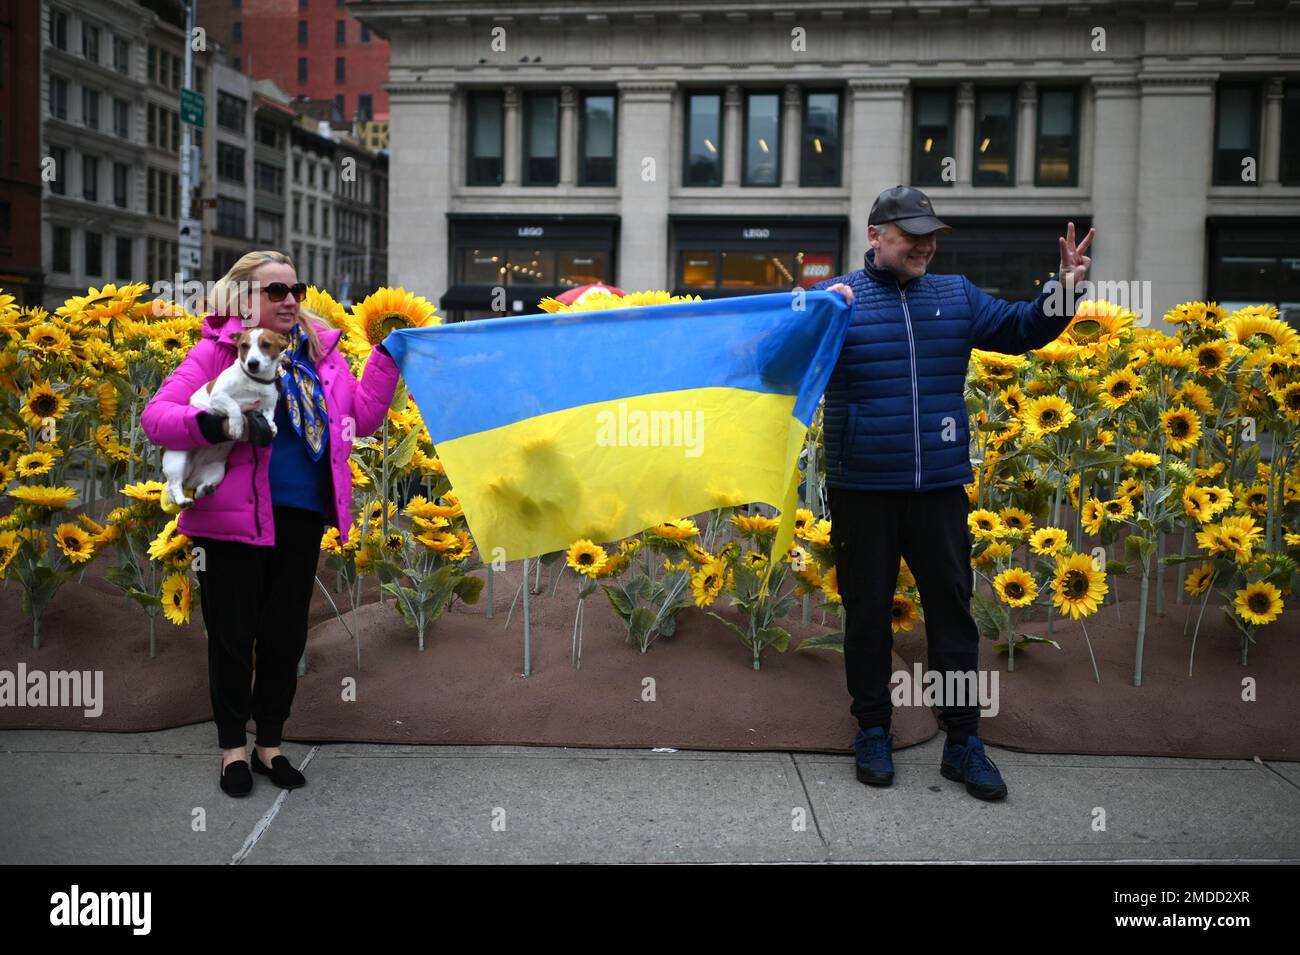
x=968, y=763
x=873, y=753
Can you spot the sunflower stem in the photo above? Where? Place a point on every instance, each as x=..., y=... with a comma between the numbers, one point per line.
x=1209, y=589
x=1142, y=620
x=528, y=633
x=490, y=580
x=1096, y=674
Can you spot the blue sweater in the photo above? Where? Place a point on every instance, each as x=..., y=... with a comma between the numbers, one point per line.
x=901, y=375
x=297, y=480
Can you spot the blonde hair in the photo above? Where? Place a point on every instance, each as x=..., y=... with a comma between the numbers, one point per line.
x=226, y=294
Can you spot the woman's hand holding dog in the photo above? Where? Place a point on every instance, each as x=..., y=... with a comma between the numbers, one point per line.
x=240, y=432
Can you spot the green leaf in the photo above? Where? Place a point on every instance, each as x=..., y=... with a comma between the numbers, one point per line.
x=401, y=455
x=777, y=637
x=618, y=600
x=740, y=634
x=829, y=641
x=143, y=598
x=468, y=589
x=990, y=617
x=640, y=622
x=400, y=396
x=668, y=626
x=1116, y=568
x=1137, y=547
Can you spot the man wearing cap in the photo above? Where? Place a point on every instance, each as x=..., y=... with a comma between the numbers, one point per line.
x=898, y=458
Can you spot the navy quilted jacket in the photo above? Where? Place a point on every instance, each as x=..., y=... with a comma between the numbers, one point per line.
x=895, y=414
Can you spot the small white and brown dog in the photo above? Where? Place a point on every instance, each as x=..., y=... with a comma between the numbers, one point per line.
x=251, y=378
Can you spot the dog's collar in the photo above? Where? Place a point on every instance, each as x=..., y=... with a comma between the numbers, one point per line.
x=255, y=378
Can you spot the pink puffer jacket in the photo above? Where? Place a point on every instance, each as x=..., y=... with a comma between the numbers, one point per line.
x=240, y=508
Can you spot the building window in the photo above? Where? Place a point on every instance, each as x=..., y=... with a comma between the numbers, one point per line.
x=90, y=45
x=340, y=69
x=268, y=134
x=762, y=140
x=932, y=139
x=90, y=108
x=58, y=185
x=151, y=124
x=237, y=32
x=176, y=132
x=1236, y=133
x=58, y=97
x=90, y=178
x=231, y=111
x=597, y=137
x=995, y=138
x=270, y=229
x=302, y=33
x=230, y=162
x=1289, y=164
x=703, y=140
x=121, y=183
x=297, y=213
x=324, y=220
x=302, y=69
x=311, y=216
x=61, y=248
x=121, y=54
x=59, y=37
x=1057, y=162
x=365, y=34
x=121, y=118
x=94, y=253
x=123, y=266
x=338, y=108
x=269, y=178
x=340, y=32
x=151, y=67
x=311, y=174
x=365, y=107
x=486, y=133
x=238, y=64
x=820, y=162
x=541, y=139
x=230, y=216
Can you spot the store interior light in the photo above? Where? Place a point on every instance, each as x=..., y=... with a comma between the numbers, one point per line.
x=929, y=144
x=817, y=144
x=762, y=144
x=709, y=146
x=984, y=145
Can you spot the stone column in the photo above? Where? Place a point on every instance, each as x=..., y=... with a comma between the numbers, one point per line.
x=1026, y=134
x=964, y=139
x=512, y=143
x=1117, y=142
x=1271, y=142
x=732, y=133
x=873, y=155
x=645, y=130
x=568, y=136
x=1175, y=113
x=791, y=119
x=421, y=171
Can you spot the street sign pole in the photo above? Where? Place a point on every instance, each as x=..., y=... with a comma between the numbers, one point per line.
x=189, y=238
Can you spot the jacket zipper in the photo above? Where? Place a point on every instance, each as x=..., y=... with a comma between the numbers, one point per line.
x=257, y=498
x=916, y=398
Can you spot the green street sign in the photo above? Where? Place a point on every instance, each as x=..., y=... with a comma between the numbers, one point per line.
x=192, y=107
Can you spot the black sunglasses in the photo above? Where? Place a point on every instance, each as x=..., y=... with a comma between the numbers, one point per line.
x=276, y=291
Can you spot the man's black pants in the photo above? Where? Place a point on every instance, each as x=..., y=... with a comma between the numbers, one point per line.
x=257, y=598
x=870, y=530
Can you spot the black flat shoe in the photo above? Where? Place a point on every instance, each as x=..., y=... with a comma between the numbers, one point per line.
x=281, y=772
x=236, y=780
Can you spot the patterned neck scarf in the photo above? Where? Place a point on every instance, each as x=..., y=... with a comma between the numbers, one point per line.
x=304, y=398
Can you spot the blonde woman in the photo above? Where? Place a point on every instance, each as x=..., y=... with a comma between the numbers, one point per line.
x=261, y=529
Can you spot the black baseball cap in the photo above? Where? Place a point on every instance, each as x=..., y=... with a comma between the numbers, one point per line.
x=910, y=209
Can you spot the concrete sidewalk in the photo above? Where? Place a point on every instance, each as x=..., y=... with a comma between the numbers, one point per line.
x=118, y=798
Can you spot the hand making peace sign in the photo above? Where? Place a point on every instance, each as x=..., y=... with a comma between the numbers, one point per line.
x=1074, y=264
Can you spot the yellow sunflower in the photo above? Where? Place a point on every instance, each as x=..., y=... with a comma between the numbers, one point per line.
x=906, y=580
x=1196, y=504
x=679, y=530
x=1078, y=586
x=1015, y=587
x=1118, y=509
x=1258, y=326
x=753, y=525
x=38, y=495
x=101, y=306
x=387, y=309
x=35, y=464
x=1211, y=359
x=169, y=541
x=1232, y=535
x=1259, y=603
x=42, y=403
x=830, y=585
x=1096, y=327
x=996, y=366
x=1047, y=540
x=1182, y=427
x=329, y=541
x=1288, y=401
x=707, y=582
x=586, y=557
x=10, y=544
x=1140, y=461
x=1014, y=399
x=1252, y=500
x=1198, y=580
x=1094, y=513
x=903, y=615
x=75, y=543
x=985, y=525
x=1017, y=520
x=177, y=598
x=144, y=491
x=48, y=339
x=1047, y=414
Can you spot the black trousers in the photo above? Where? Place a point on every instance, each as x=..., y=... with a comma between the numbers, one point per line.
x=870, y=530
x=255, y=601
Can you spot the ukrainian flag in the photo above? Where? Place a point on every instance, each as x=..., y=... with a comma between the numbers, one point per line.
x=600, y=424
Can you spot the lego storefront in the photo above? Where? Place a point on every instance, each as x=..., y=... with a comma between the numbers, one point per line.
x=718, y=256
x=528, y=257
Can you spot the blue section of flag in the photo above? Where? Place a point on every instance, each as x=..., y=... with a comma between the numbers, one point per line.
x=475, y=376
